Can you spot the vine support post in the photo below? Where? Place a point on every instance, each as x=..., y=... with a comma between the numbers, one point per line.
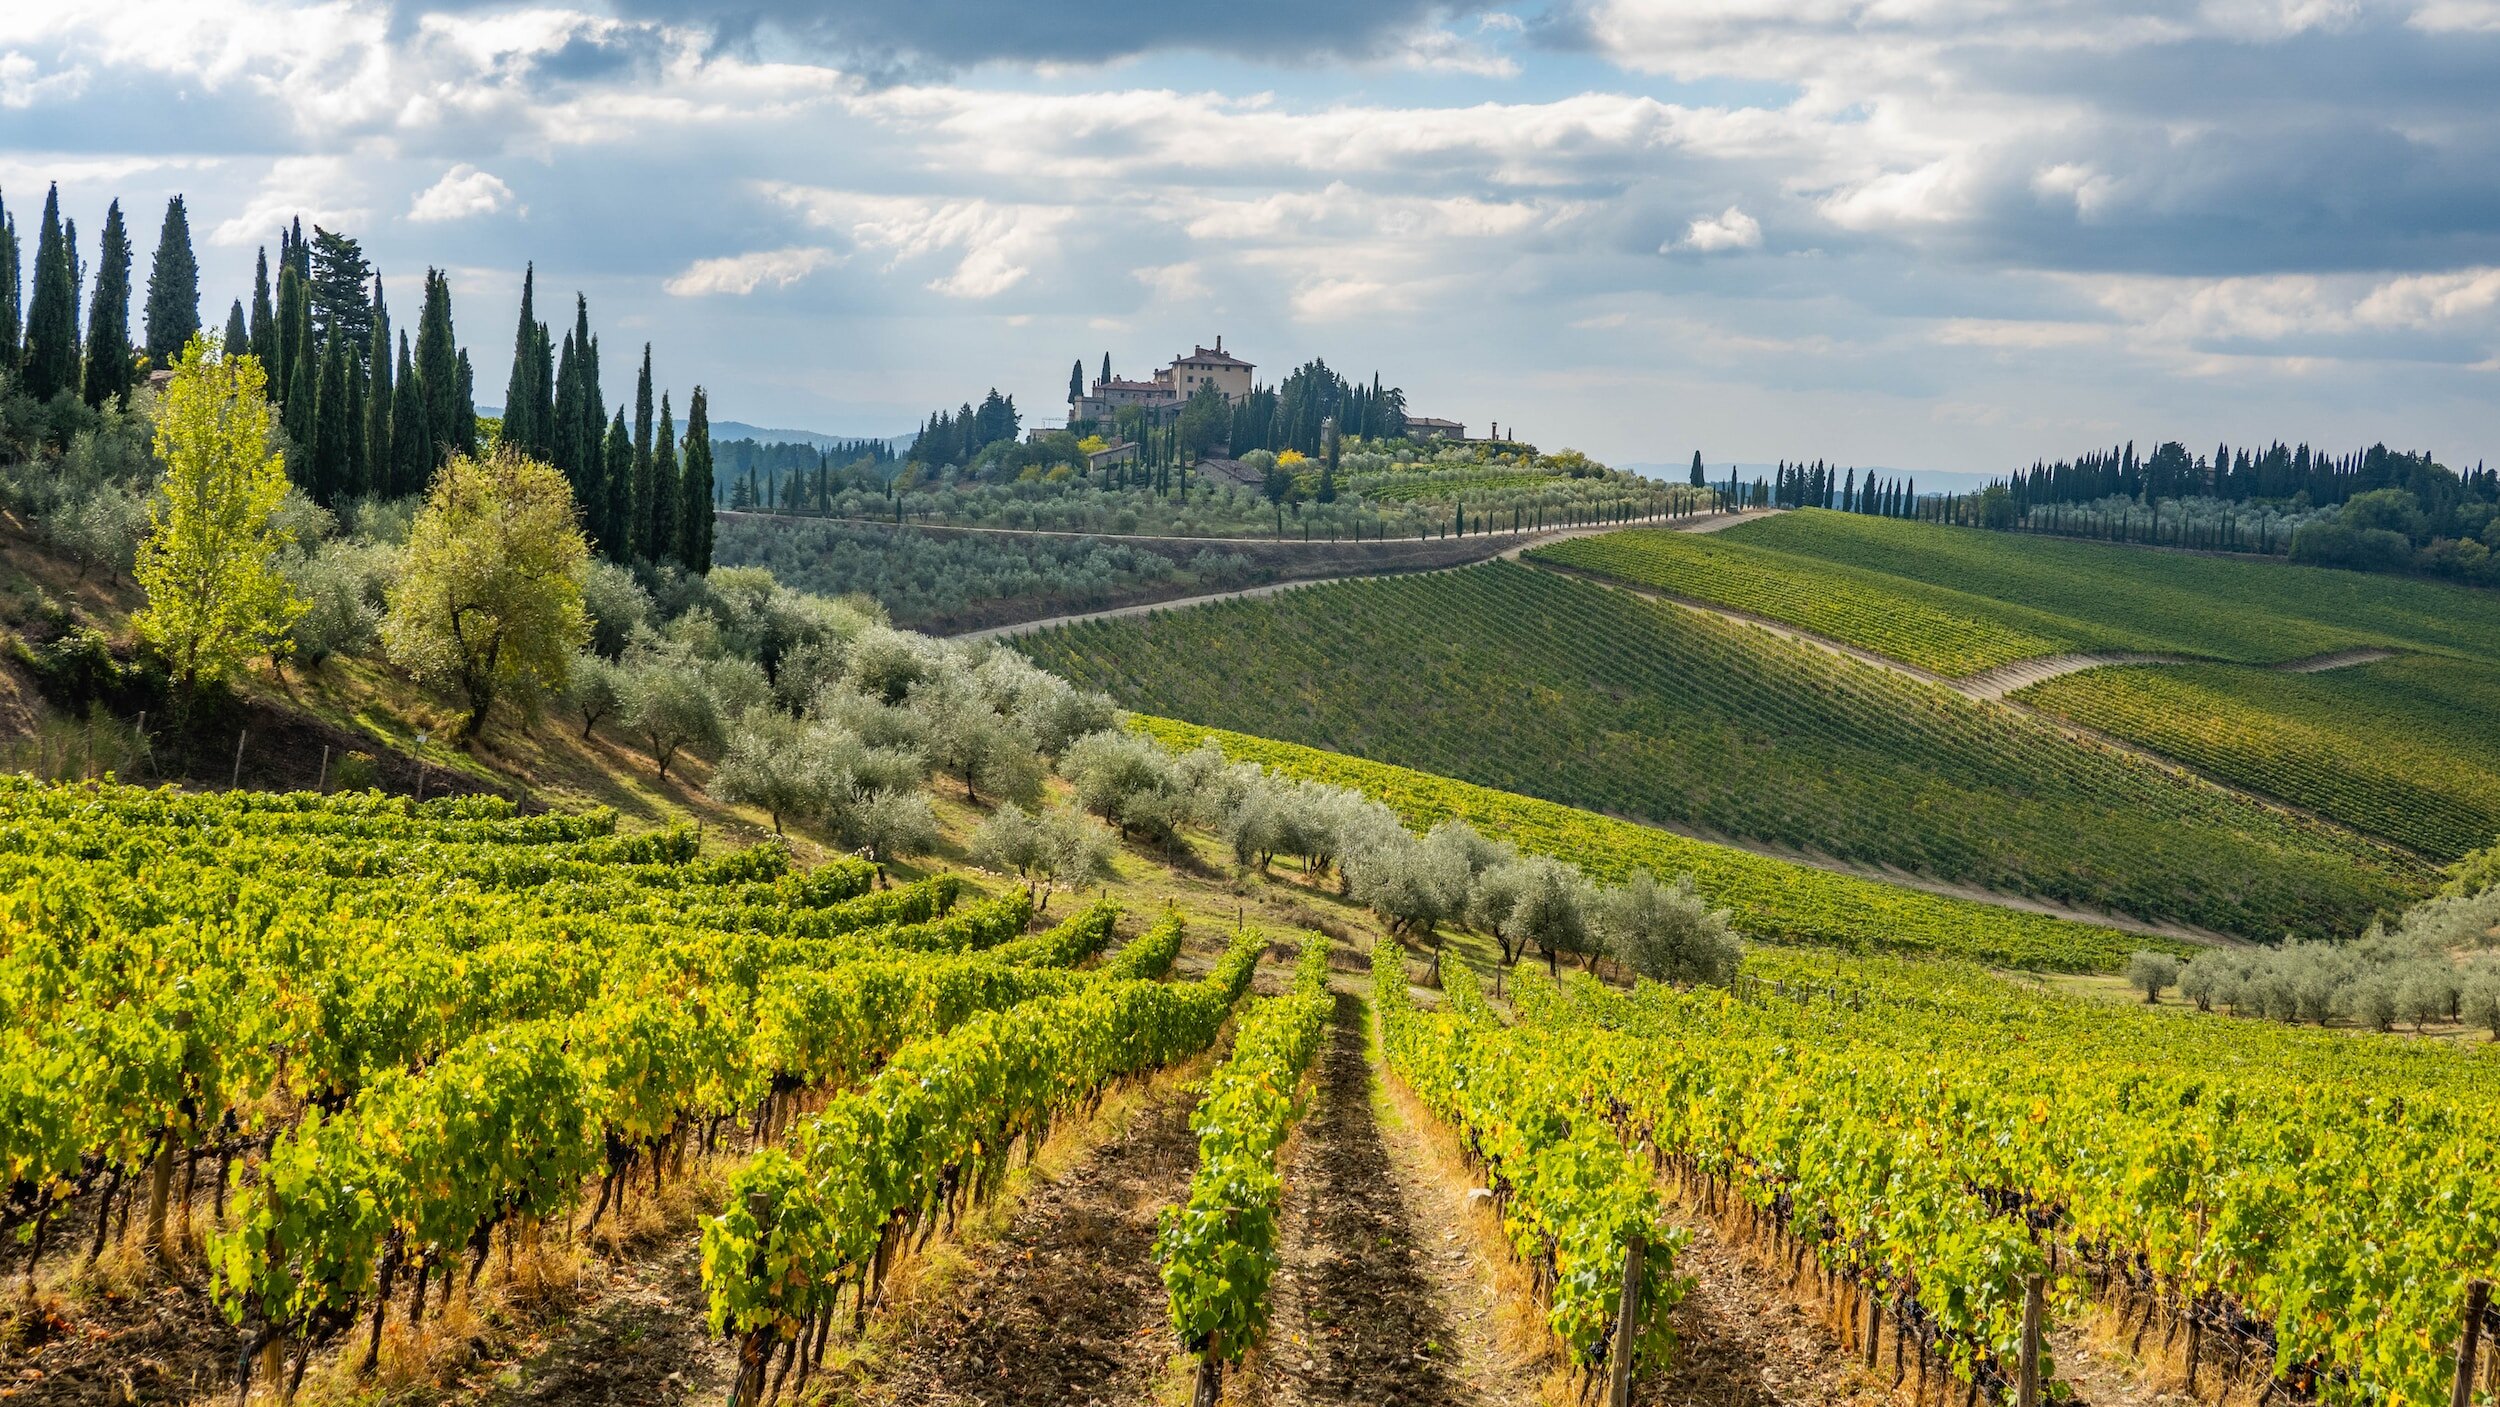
x=2028, y=1385
x=2477, y=1299
x=1874, y=1327
x=1210, y=1385
x=1627, y=1326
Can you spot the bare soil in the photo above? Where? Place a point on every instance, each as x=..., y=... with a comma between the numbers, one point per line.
x=165, y=1343
x=1068, y=1306
x=1742, y=1341
x=1362, y=1305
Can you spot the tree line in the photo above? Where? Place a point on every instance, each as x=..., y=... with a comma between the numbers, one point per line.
x=363, y=412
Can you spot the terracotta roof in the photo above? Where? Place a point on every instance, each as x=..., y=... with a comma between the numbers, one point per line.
x=1213, y=357
x=1434, y=422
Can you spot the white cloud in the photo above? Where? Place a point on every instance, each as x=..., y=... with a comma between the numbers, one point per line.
x=742, y=274
x=1712, y=234
x=321, y=190
x=995, y=245
x=464, y=191
x=2019, y=334
x=23, y=84
x=2455, y=16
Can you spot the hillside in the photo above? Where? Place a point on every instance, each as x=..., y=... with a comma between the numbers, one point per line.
x=1531, y=682
x=2396, y=748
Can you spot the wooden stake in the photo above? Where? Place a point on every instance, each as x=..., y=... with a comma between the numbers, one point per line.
x=1627, y=1332
x=323, y=784
x=2477, y=1298
x=1874, y=1328
x=239, y=735
x=2028, y=1387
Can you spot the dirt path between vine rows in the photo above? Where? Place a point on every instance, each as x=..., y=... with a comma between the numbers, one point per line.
x=1376, y=1300
x=1067, y=1308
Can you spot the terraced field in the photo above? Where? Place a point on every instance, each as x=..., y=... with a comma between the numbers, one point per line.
x=1528, y=681
x=2407, y=748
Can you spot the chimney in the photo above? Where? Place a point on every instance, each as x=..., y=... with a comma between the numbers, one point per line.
x=1219, y=344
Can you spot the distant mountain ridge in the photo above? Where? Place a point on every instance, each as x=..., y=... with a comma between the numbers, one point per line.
x=814, y=439
x=1928, y=480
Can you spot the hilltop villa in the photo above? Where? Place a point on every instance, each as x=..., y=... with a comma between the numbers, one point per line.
x=1172, y=385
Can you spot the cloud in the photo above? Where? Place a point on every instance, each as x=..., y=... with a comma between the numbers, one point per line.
x=319, y=190
x=742, y=274
x=1713, y=234
x=22, y=84
x=464, y=191
x=994, y=244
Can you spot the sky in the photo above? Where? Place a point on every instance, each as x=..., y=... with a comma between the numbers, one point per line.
x=1942, y=234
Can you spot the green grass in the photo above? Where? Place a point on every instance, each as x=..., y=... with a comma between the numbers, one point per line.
x=2108, y=596
x=1534, y=682
x=1774, y=901
x=2407, y=748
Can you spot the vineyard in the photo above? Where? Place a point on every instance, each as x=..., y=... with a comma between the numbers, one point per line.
x=2407, y=748
x=2100, y=596
x=1773, y=901
x=1679, y=717
x=2286, y=1208
x=392, y=1036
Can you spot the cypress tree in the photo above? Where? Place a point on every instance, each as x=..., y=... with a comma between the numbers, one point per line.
x=294, y=322
x=638, y=531
x=543, y=412
x=264, y=337
x=438, y=370
x=330, y=485
x=173, y=316
x=381, y=469
x=52, y=313
x=337, y=279
x=694, y=529
x=520, y=393
x=108, y=318
x=412, y=439
x=1106, y=366
x=1699, y=479
x=238, y=334
x=619, y=480
x=12, y=304
x=666, y=503
x=302, y=408
x=565, y=444
x=1076, y=381
x=464, y=397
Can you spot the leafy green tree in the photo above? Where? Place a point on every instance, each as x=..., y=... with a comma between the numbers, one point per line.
x=1667, y=934
x=593, y=690
x=52, y=308
x=300, y=409
x=489, y=599
x=339, y=290
x=668, y=705
x=294, y=323
x=332, y=429
x=2149, y=972
x=1206, y=418
x=173, y=306
x=694, y=523
x=214, y=595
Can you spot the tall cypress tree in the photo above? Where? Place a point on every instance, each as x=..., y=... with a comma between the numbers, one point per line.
x=264, y=319
x=594, y=421
x=338, y=280
x=543, y=411
x=412, y=440
x=618, y=478
x=294, y=325
x=666, y=505
x=381, y=469
x=438, y=369
x=173, y=316
x=1076, y=382
x=330, y=485
x=1699, y=478
x=52, y=313
x=565, y=441
x=694, y=528
x=638, y=524
x=12, y=300
x=464, y=397
x=520, y=391
x=301, y=411
x=108, y=318
x=238, y=333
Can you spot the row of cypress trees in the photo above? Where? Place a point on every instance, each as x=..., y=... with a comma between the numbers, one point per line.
x=368, y=415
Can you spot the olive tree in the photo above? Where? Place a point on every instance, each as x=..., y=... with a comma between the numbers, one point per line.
x=2150, y=972
x=1666, y=933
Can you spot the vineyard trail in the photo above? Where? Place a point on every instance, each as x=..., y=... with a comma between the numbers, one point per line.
x=1365, y=1299
x=1067, y=1307
x=1504, y=547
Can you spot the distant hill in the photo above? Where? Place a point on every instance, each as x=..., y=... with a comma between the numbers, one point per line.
x=813, y=439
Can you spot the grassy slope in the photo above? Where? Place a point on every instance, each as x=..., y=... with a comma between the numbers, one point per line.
x=2233, y=609
x=1537, y=683
x=1773, y=901
x=2407, y=748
